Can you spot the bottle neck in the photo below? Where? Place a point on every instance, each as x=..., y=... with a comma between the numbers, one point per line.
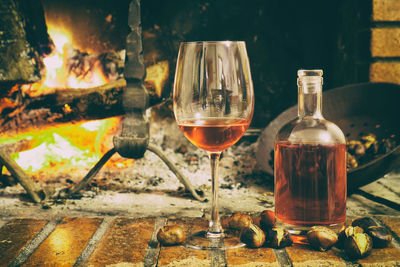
x=310, y=99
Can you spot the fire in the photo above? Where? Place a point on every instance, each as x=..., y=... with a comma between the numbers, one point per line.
x=74, y=145
x=60, y=68
x=67, y=145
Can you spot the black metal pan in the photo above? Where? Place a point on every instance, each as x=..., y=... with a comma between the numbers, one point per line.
x=358, y=109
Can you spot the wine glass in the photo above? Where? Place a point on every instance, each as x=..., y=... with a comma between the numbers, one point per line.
x=213, y=106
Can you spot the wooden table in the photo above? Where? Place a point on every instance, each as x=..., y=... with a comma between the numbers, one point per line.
x=129, y=240
x=124, y=241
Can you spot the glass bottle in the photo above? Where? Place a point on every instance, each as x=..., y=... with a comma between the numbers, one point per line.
x=310, y=164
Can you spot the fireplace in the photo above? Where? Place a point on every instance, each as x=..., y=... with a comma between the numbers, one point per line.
x=116, y=217
x=72, y=106
x=57, y=132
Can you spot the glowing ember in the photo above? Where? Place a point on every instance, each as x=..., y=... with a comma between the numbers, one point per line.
x=68, y=145
x=56, y=66
x=56, y=150
x=60, y=68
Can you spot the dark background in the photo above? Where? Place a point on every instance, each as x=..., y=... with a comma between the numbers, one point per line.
x=282, y=36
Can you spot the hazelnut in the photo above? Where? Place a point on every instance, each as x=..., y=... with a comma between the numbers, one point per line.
x=381, y=237
x=267, y=219
x=240, y=221
x=358, y=246
x=171, y=235
x=253, y=236
x=279, y=238
x=321, y=238
x=346, y=232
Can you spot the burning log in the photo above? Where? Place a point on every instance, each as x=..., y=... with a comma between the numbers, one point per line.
x=23, y=109
x=79, y=95
x=63, y=105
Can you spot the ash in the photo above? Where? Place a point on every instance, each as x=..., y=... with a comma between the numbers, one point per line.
x=148, y=188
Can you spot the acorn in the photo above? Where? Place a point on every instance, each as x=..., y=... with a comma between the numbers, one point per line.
x=358, y=246
x=253, y=236
x=267, y=219
x=346, y=232
x=240, y=221
x=171, y=235
x=321, y=238
x=381, y=237
x=278, y=237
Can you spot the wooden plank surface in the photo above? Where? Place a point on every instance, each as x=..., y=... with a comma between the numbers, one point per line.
x=180, y=255
x=125, y=241
x=303, y=255
x=64, y=245
x=251, y=257
x=132, y=242
x=393, y=223
x=15, y=235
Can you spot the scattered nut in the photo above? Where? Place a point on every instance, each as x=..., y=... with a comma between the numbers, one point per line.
x=364, y=223
x=279, y=238
x=240, y=221
x=355, y=147
x=351, y=161
x=256, y=220
x=253, y=236
x=267, y=219
x=381, y=237
x=171, y=235
x=321, y=238
x=358, y=246
x=346, y=232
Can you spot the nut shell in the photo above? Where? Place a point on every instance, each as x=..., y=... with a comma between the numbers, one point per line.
x=240, y=221
x=381, y=237
x=358, y=246
x=364, y=223
x=321, y=238
x=346, y=232
x=171, y=235
x=267, y=219
x=253, y=236
x=278, y=238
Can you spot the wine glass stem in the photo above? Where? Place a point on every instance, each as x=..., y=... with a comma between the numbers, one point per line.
x=215, y=228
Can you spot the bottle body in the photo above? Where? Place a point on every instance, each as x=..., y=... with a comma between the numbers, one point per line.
x=310, y=185
x=310, y=167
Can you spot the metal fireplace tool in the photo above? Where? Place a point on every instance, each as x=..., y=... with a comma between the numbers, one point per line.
x=133, y=141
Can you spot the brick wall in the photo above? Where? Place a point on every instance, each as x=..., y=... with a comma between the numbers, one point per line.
x=385, y=41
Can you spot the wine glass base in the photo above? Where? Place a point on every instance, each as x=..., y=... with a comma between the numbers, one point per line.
x=204, y=241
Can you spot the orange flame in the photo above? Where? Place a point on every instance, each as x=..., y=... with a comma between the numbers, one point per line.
x=56, y=74
x=77, y=145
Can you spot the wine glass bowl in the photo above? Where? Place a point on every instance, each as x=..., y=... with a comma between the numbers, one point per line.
x=213, y=106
